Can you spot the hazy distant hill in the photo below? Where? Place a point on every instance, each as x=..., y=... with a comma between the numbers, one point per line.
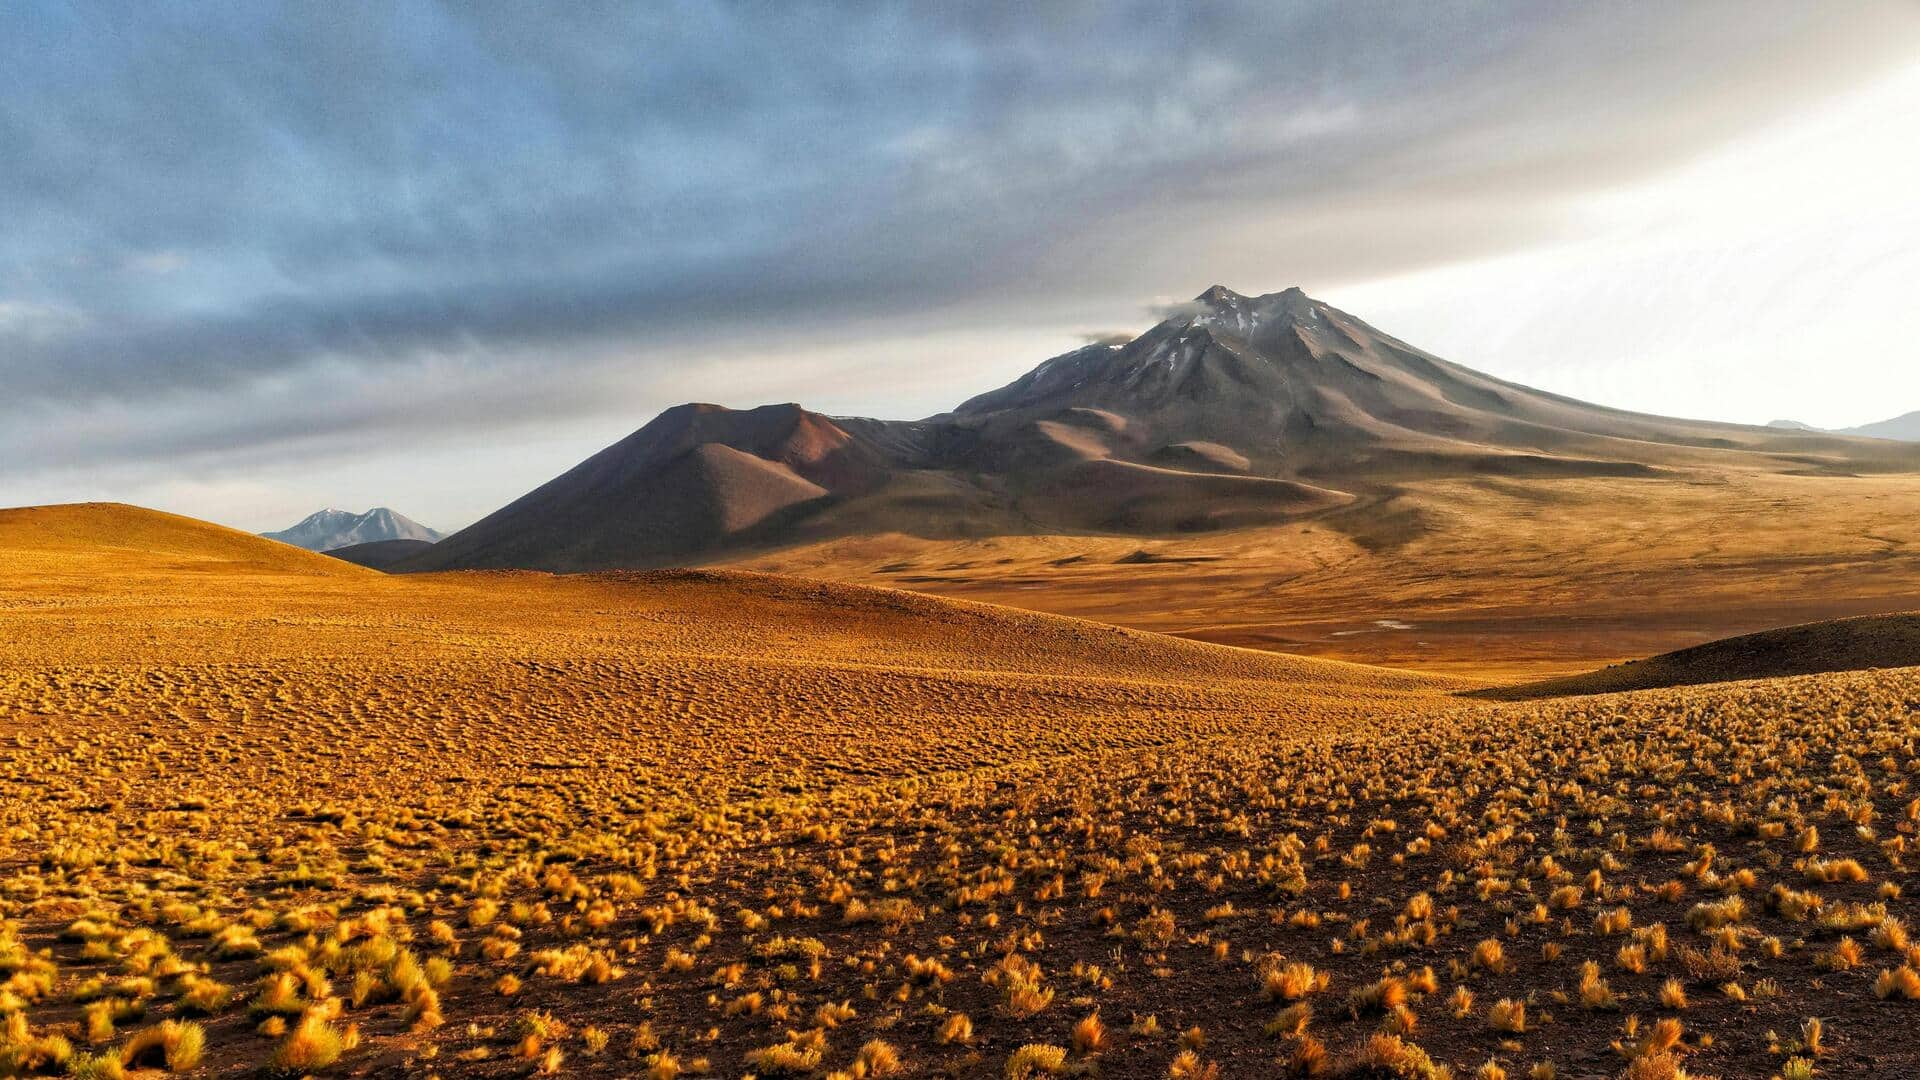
x=330, y=529
x=1235, y=411
x=1905, y=428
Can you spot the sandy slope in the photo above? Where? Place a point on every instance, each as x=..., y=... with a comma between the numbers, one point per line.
x=124, y=541
x=1496, y=577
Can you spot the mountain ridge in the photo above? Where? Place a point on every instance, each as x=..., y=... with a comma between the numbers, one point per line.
x=328, y=529
x=1232, y=411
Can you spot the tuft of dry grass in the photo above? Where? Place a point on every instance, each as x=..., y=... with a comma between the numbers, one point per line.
x=1507, y=1015
x=312, y=1044
x=175, y=1045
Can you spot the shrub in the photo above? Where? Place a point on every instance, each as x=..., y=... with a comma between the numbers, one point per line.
x=1036, y=1059
x=1293, y=982
x=1507, y=1015
x=1901, y=982
x=174, y=1044
x=312, y=1044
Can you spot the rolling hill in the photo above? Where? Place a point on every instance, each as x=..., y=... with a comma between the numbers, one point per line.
x=1905, y=427
x=121, y=542
x=207, y=575
x=1857, y=644
x=1237, y=412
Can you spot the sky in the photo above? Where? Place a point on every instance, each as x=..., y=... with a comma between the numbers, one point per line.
x=263, y=258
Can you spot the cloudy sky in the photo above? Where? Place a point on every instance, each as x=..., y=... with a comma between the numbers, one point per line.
x=260, y=258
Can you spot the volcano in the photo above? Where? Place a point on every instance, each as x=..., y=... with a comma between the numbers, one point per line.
x=328, y=530
x=1235, y=411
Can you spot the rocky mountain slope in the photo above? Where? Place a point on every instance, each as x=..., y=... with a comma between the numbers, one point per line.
x=1236, y=411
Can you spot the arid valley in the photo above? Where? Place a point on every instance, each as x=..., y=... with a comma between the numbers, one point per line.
x=1338, y=803
x=717, y=540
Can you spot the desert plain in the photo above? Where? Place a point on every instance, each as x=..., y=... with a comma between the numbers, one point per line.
x=262, y=810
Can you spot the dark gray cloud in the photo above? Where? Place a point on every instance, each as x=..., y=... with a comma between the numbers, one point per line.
x=207, y=204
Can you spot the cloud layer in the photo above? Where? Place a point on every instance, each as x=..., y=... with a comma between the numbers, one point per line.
x=345, y=233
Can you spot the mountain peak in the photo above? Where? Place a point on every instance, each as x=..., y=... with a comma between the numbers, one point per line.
x=1229, y=412
x=1246, y=316
x=1220, y=294
x=334, y=528
x=1217, y=295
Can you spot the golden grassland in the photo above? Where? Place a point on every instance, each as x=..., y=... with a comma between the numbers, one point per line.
x=1485, y=577
x=263, y=811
